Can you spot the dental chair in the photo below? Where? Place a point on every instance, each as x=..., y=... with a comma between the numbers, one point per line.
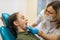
x=4, y=31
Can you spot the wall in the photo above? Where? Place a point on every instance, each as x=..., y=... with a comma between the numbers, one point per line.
x=31, y=10
x=11, y=6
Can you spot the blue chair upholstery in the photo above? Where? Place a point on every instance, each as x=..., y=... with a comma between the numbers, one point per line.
x=6, y=34
x=4, y=31
x=5, y=17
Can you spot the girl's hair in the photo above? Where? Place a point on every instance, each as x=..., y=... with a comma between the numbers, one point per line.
x=56, y=7
x=11, y=26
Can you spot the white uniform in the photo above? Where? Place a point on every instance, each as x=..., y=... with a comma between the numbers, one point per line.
x=49, y=28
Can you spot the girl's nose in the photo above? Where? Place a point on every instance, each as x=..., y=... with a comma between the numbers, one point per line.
x=26, y=19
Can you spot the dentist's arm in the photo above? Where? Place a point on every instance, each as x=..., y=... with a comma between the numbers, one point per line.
x=44, y=35
x=38, y=19
x=49, y=37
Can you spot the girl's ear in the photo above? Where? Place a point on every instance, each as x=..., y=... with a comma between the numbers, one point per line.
x=15, y=23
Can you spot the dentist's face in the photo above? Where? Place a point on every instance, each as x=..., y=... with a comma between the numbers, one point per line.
x=51, y=12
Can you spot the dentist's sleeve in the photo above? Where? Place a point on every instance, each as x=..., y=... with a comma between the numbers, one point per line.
x=38, y=19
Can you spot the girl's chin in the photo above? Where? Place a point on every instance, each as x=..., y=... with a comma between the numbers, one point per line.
x=24, y=28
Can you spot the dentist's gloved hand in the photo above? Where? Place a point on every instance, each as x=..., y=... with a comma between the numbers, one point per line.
x=32, y=30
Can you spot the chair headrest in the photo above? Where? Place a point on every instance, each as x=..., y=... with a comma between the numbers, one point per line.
x=6, y=34
x=5, y=17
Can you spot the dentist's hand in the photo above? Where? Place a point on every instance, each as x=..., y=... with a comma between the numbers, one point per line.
x=32, y=30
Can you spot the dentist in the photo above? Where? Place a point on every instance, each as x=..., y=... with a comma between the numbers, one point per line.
x=48, y=23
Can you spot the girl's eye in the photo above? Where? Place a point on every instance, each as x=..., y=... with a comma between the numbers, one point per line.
x=23, y=18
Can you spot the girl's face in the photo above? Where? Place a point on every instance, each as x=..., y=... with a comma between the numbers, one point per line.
x=21, y=21
x=51, y=12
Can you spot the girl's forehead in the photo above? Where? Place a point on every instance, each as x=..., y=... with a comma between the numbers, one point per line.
x=20, y=15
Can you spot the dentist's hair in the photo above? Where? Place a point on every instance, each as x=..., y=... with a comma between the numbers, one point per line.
x=56, y=6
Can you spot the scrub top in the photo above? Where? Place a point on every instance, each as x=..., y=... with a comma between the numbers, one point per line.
x=46, y=26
